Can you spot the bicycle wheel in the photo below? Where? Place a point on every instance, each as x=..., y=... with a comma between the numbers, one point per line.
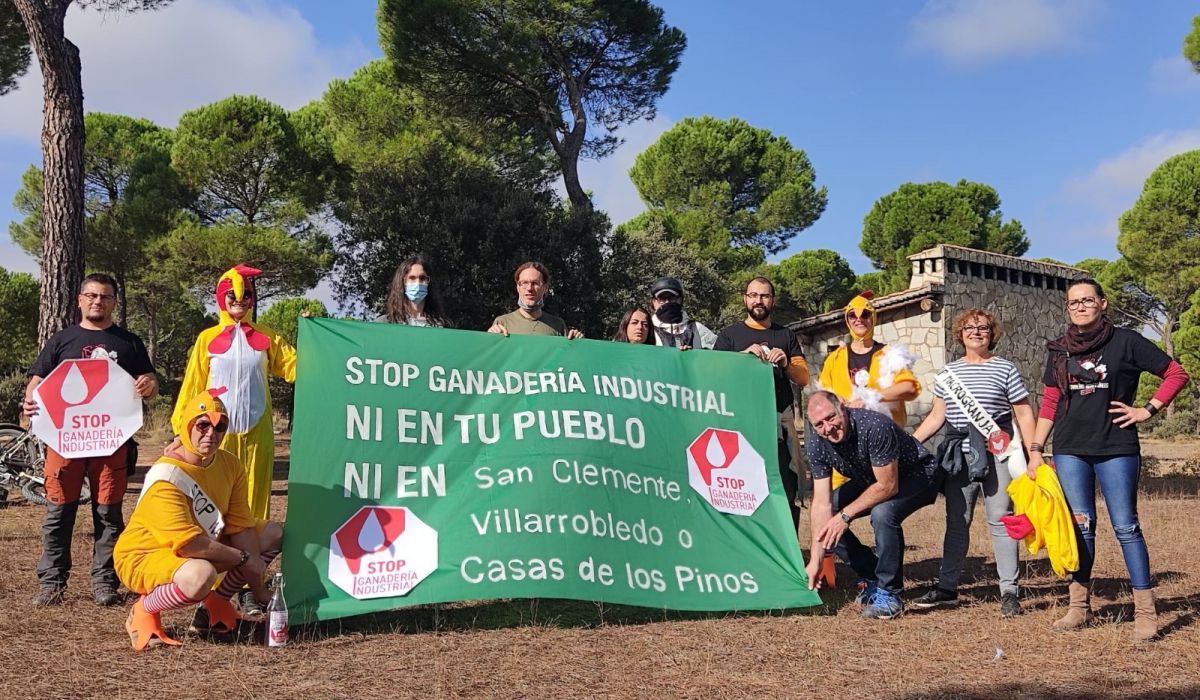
x=35, y=492
x=17, y=449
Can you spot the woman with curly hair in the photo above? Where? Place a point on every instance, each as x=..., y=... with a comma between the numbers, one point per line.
x=972, y=458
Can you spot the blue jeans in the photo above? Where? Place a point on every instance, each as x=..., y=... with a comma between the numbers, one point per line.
x=1118, y=477
x=886, y=564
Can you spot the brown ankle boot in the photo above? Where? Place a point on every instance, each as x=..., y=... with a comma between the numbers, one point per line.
x=1079, y=612
x=1145, y=617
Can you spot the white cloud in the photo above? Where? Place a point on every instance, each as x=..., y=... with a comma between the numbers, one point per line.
x=970, y=32
x=160, y=64
x=1113, y=185
x=1174, y=76
x=608, y=179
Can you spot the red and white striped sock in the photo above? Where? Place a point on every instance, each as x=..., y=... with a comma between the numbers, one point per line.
x=233, y=580
x=166, y=597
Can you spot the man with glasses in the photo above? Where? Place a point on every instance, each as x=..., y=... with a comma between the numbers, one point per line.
x=192, y=523
x=774, y=344
x=890, y=477
x=533, y=281
x=95, y=336
x=672, y=327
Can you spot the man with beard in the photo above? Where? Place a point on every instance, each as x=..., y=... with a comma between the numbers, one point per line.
x=891, y=476
x=533, y=281
x=95, y=336
x=672, y=327
x=772, y=343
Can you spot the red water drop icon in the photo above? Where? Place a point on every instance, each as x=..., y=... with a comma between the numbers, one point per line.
x=714, y=449
x=371, y=530
x=76, y=385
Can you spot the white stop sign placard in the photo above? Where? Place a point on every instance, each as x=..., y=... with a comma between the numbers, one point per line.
x=86, y=408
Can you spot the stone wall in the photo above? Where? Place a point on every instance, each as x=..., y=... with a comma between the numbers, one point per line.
x=1029, y=316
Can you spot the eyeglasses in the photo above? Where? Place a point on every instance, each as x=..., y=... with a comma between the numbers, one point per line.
x=92, y=296
x=246, y=295
x=765, y=296
x=531, y=284
x=206, y=427
x=1084, y=303
x=983, y=330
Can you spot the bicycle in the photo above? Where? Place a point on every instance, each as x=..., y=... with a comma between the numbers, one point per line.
x=22, y=466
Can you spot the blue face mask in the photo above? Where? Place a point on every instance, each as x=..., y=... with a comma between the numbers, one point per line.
x=416, y=291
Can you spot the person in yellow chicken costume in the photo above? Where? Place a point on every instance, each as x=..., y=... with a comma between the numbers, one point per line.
x=239, y=355
x=867, y=373
x=191, y=523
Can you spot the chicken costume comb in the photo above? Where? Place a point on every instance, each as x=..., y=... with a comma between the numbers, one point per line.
x=236, y=279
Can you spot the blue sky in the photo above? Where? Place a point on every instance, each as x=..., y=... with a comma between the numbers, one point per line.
x=1064, y=106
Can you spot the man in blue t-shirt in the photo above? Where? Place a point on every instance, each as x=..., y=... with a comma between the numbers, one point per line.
x=891, y=477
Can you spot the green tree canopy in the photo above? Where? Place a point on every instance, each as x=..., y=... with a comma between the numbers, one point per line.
x=1160, y=240
x=411, y=183
x=1191, y=45
x=812, y=282
x=638, y=257
x=549, y=70
x=727, y=184
x=246, y=162
x=15, y=51
x=919, y=216
x=18, y=318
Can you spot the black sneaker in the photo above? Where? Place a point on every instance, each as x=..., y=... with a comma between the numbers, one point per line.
x=936, y=598
x=248, y=606
x=49, y=595
x=1010, y=605
x=106, y=595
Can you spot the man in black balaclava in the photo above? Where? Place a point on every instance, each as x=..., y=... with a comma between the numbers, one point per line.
x=672, y=327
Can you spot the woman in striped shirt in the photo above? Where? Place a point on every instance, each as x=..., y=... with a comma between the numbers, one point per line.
x=996, y=385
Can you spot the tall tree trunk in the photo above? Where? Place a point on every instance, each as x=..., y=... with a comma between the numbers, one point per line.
x=61, y=265
x=575, y=192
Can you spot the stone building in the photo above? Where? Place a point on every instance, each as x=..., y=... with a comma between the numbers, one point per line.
x=1026, y=297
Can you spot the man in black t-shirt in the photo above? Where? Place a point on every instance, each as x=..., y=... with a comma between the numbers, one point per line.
x=95, y=336
x=891, y=476
x=770, y=342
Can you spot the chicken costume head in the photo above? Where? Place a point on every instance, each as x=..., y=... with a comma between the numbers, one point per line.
x=205, y=403
x=237, y=279
x=862, y=307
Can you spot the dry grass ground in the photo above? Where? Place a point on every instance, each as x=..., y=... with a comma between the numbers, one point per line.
x=563, y=648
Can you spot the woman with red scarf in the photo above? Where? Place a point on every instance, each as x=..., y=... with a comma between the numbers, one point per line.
x=1091, y=379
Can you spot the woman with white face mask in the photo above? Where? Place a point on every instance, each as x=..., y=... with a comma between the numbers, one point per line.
x=410, y=300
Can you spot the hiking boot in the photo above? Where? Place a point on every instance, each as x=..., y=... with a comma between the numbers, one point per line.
x=248, y=606
x=49, y=595
x=936, y=598
x=866, y=589
x=884, y=605
x=1010, y=605
x=106, y=595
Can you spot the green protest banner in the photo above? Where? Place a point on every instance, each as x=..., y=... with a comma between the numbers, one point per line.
x=433, y=465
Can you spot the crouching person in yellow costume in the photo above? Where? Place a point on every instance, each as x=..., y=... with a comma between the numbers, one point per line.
x=192, y=522
x=239, y=355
